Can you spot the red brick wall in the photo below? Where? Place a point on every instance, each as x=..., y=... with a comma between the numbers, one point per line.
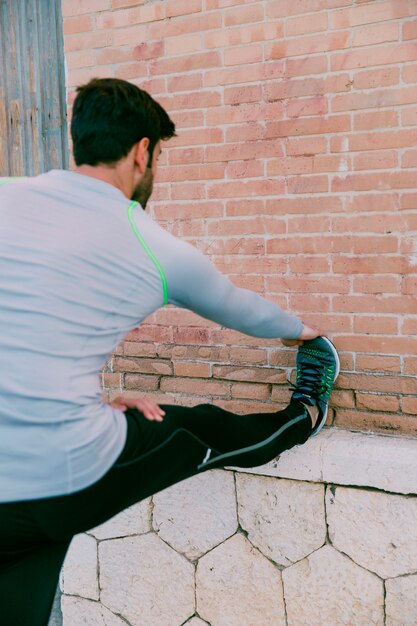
x=295, y=169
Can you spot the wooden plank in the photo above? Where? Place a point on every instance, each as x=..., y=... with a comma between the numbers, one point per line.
x=33, y=125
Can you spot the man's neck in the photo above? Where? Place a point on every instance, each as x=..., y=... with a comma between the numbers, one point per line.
x=112, y=176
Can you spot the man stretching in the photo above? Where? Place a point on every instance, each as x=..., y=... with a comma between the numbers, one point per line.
x=82, y=265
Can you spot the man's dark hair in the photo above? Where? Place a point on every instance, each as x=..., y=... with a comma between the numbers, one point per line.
x=111, y=115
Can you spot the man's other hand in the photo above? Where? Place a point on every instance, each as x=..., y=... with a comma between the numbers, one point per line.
x=150, y=409
x=307, y=333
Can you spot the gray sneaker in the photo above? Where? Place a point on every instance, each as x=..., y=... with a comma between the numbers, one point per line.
x=318, y=366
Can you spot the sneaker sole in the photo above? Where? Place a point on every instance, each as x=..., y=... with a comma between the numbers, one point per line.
x=318, y=428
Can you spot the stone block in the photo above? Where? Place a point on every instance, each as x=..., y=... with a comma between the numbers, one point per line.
x=284, y=519
x=237, y=585
x=401, y=601
x=197, y=514
x=377, y=530
x=80, y=612
x=146, y=581
x=387, y=463
x=79, y=574
x=136, y=520
x=328, y=589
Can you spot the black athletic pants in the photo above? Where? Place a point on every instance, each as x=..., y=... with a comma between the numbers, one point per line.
x=35, y=534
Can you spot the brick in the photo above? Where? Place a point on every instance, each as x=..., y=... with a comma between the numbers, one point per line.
x=307, y=106
x=380, y=159
x=379, y=364
x=88, y=41
x=389, y=423
x=246, y=112
x=375, y=284
x=257, y=225
x=409, y=158
x=409, y=73
x=309, y=126
x=190, y=172
x=142, y=383
x=362, y=304
x=372, y=34
x=194, y=370
x=285, y=8
x=380, y=343
x=248, y=33
x=247, y=188
x=307, y=184
x=306, y=66
x=369, y=182
x=186, y=43
x=248, y=246
x=370, y=13
x=211, y=209
x=309, y=224
x=248, y=355
x=195, y=386
x=111, y=380
x=129, y=71
x=312, y=44
x=151, y=50
x=375, y=402
x=243, y=15
x=82, y=24
x=81, y=59
x=410, y=365
x=188, y=24
x=248, y=374
x=300, y=25
x=78, y=7
x=243, y=55
x=385, y=97
x=305, y=146
x=343, y=399
x=246, y=408
x=251, y=391
x=147, y=332
x=182, y=7
x=410, y=30
x=378, y=55
x=109, y=56
x=375, y=119
x=255, y=72
x=371, y=79
x=134, y=348
x=248, y=131
x=310, y=265
x=375, y=382
x=307, y=284
x=305, y=303
x=409, y=405
x=245, y=169
x=185, y=63
x=191, y=336
x=409, y=326
x=145, y=366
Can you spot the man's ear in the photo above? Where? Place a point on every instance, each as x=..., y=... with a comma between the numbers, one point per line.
x=141, y=154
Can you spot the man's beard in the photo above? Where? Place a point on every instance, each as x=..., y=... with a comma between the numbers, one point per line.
x=143, y=190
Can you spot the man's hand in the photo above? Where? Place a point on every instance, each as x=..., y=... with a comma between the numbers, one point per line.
x=149, y=409
x=307, y=333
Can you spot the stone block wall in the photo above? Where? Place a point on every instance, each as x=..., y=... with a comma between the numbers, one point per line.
x=280, y=545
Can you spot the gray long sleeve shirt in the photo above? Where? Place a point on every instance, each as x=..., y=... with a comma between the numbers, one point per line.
x=81, y=266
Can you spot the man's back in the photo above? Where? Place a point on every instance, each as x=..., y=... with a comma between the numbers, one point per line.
x=74, y=281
